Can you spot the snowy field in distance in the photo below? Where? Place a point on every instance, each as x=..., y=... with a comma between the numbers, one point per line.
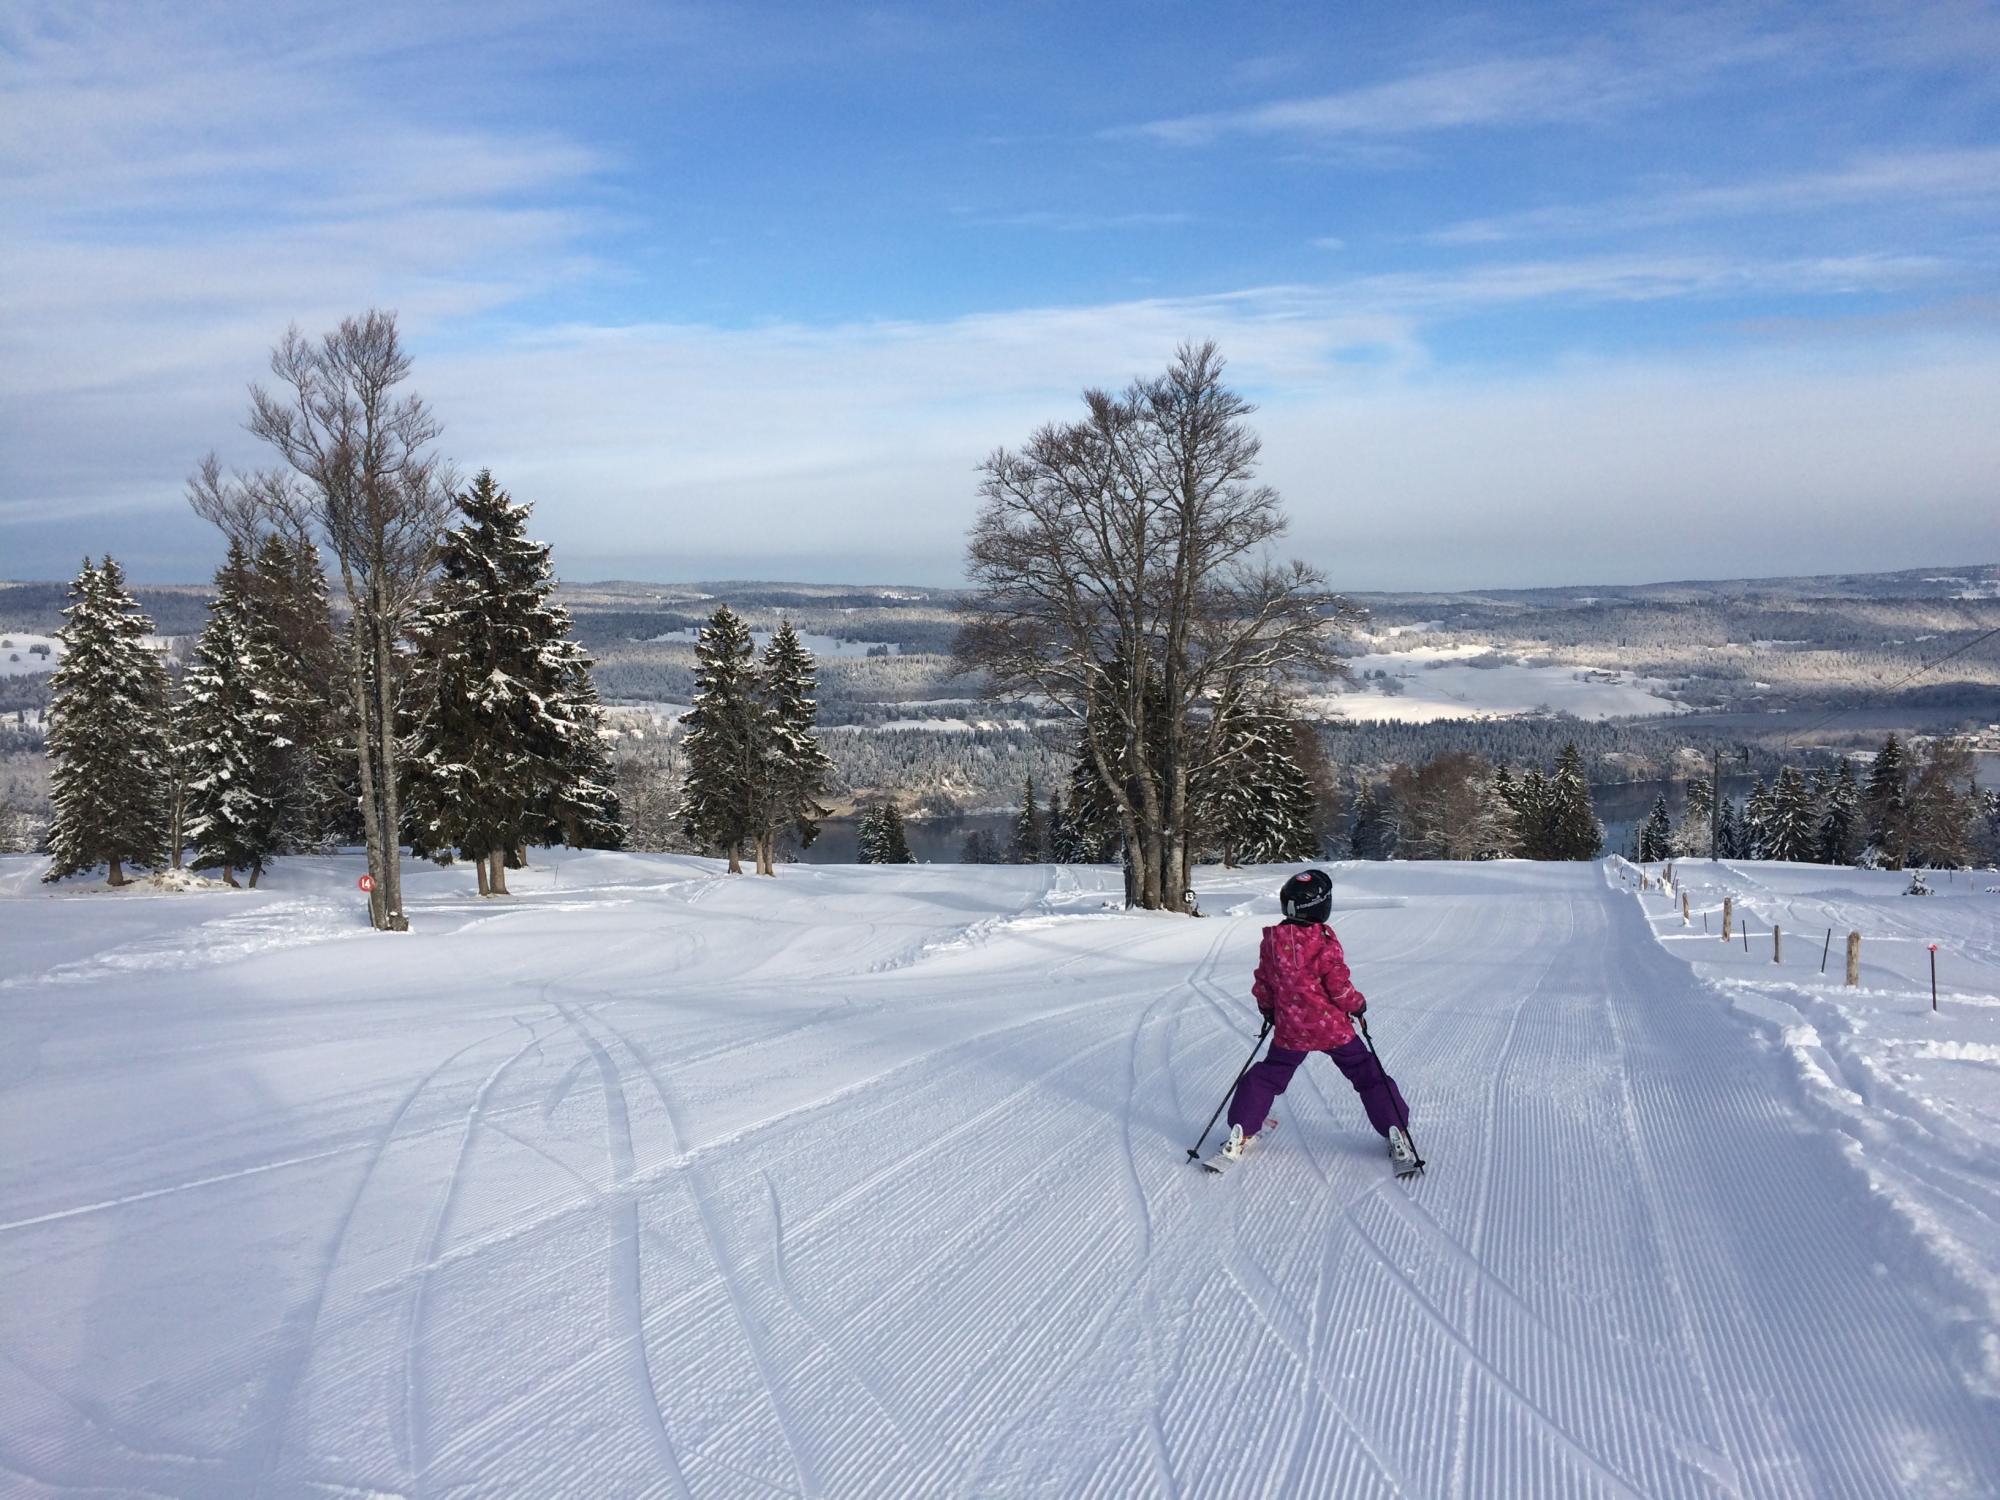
x=18, y=656
x=1437, y=682
x=871, y=1181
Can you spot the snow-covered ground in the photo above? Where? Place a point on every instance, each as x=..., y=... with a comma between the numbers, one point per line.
x=647, y=1181
x=1910, y=1095
x=22, y=653
x=1438, y=682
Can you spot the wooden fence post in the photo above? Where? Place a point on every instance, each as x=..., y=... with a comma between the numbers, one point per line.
x=1728, y=916
x=1685, y=919
x=1853, y=959
x=1777, y=944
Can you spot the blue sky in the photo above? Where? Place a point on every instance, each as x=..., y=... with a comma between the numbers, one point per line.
x=1527, y=294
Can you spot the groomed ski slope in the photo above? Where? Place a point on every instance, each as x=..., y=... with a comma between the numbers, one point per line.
x=647, y=1181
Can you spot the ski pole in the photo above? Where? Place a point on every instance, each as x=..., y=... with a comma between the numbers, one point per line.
x=1394, y=1093
x=1195, y=1149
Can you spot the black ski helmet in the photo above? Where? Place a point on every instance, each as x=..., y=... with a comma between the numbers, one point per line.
x=1307, y=897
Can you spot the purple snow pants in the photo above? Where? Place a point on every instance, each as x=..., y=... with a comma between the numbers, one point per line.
x=1251, y=1105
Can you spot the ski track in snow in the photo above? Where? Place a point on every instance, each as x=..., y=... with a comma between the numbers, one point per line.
x=874, y=1182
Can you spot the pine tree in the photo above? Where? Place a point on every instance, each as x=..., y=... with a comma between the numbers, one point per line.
x=1988, y=828
x=1370, y=835
x=1730, y=841
x=1840, y=823
x=1256, y=802
x=1029, y=841
x=1573, y=831
x=1534, y=820
x=1697, y=825
x=582, y=805
x=232, y=737
x=1757, y=821
x=505, y=743
x=1092, y=812
x=106, y=739
x=1791, y=830
x=894, y=846
x=725, y=732
x=868, y=838
x=793, y=769
x=1885, y=806
x=1065, y=848
x=291, y=630
x=1656, y=838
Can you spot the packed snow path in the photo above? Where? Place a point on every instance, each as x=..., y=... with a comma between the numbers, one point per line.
x=648, y=1181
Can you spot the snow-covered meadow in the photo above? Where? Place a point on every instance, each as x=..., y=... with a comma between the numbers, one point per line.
x=1427, y=683
x=647, y=1181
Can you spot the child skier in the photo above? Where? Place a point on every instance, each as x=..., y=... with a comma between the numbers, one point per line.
x=1303, y=986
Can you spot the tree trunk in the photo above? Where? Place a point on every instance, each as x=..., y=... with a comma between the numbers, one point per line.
x=371, y=807
x=229, y=878
x=736, y=859
x=479, y=867
x=256, y=870
x=385, y=696
x=116, y=874
x=496, y=880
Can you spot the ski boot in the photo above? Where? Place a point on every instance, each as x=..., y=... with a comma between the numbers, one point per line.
x=1402, y=1155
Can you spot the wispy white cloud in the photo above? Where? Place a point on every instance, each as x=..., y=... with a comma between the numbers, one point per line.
x=1941, y=177
x=1498, y=91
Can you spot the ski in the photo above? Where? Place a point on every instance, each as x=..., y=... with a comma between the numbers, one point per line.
x=1221, y=1161
x=1403, y=1154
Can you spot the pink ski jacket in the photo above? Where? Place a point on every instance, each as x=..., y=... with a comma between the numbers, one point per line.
x=1303, y=984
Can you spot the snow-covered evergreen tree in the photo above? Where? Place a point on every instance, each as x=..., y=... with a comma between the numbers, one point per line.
x=1791, y=824
x=1573, y=831
x=107, y=740
x=868, y=838
x=1885, y=806
x=1840, y=830
x=1988, y=835
x=1695, y=835
x=725, y=733
x=895, y=840
x=291, y=629
x=1757, y=821
x=231, y=738
x=794, y=770
x=1256, y=803
x=1092, y=813
x=1730, y=840
x=505, y=746
x=1028, y=842
x=1531, y=796
x=1656, y=834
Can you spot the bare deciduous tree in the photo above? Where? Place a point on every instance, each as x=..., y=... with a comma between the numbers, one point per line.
x=1121, y=568
x=358, y=474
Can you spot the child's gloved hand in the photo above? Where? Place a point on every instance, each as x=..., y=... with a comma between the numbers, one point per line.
x=1360, y=1009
